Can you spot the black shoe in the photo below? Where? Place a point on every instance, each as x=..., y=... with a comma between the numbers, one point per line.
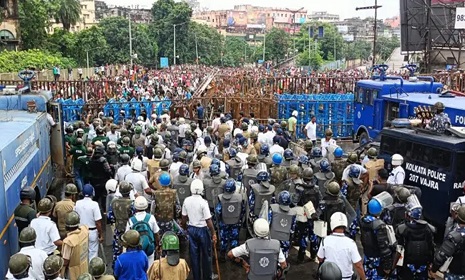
x=301, y=257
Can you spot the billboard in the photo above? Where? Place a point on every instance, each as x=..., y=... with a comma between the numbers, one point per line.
x=236, y=18
x=438, y=2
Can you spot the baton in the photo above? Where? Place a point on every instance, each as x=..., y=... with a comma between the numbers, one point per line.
x=103, y=253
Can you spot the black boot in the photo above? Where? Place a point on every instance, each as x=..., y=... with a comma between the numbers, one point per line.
x=301, y=256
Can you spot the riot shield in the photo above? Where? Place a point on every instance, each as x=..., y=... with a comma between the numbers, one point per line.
x=263, y=214
x=350, y=212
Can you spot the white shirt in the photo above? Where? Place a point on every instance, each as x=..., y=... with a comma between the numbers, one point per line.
x=182, y=130
x=138, y=181
x=262, y=138
x=325, y=144
x=311, y=130
x=122, y=172
x=397, y=176
x=276, y=149
x=47, y=233
x=230, y=123
x=236, y=131
x=345, y=173
x=174, y=168
x=216, y=123
x=212, y=151
x=113, y=136
x=197, y=210
x=50, y=120
x=269, y=137
x=37, y=261
x=340, y=250
x=243, y=251
x=88, y=211
x=140, y=216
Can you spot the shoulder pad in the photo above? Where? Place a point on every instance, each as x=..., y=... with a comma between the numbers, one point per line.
x=455, y=236
x=378, y=223
x=401, y=229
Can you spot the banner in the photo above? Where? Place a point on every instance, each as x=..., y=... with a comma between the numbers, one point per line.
x=164, y=62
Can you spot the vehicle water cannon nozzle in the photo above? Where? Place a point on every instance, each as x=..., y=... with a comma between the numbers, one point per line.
x=412, y=68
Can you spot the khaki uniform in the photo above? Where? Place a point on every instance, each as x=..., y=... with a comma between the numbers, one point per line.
x=372, y=166
x=250, y=150
x=222, y=129
x=205, y=162
x=76, y=250
x=106, y=277
x=153, y=167
x=62, y=209
x=165, y=205
x=168, y=272
x=257, y=147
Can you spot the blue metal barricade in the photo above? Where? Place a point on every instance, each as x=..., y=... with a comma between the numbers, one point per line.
x=331, y=110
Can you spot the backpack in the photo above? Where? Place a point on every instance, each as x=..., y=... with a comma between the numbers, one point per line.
x=147, y=237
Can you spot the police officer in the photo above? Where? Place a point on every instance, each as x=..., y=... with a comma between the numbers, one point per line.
x=97, y=269
x=75, y=250
x=100, y=137
x=292, y=184
x=416, y=238
x=63, y=207
x=397, y=175
x=315, y=159
x=138, y=139
x=354, y=178
x=48, y=237
x=124, y=168
x=229, y=212
x=196, y=214
x=441, y=121
x=308, y=146
x=84, y=169
x=235, y=164
x=182, y=183
x=100, y=173
x=132, y=264
x=264, y=156
x=213, y=186
x=453, y=246
x=339, y=164
x=282, y=221
x=121, y=210
x=125, y=148
x=24, y=213
x=277, y=171
x=52, y=267
x=324, y=175
x=89, y=213
x=261, y=191
x=374, y=238
x=166, y=205
x=250, y=172
x=264, y=253
x=331, y=203
x=196, y=170
x=303, y=162
x=288, y=158
x=254, y=142
x=27, y=240
x=77, y=150
x=19, y=266
x=112, y=156
x=395, y=213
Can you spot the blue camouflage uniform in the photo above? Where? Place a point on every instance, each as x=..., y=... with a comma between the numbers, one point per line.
x=117, y=246
x=229, y=234
x=252, y=216
x=439, y=122
x=286, y=244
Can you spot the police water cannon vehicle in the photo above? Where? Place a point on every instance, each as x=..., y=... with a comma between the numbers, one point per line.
x=29, y=151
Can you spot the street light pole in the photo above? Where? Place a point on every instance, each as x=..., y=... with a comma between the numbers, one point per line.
x=264, y=47
x=309, y=48
x=196, y=50
x=130, y=44
x=87, y=57
x=174, y=44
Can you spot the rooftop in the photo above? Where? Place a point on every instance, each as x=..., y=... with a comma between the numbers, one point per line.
x=14, y=123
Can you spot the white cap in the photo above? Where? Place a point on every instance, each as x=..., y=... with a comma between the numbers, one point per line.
x=295, y=113
x=197, y=187
x=397, y=160
x=182, y=121
x=154, y=116
x=111, y=144
x=136, y=164
x=110, y=185
x=141, y=203
x=338, y=219
x=261, y=227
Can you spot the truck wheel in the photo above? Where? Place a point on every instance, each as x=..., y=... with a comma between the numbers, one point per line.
x=363, y=138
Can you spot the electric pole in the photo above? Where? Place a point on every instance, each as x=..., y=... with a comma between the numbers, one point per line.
x=375, y=27
x=293, y=12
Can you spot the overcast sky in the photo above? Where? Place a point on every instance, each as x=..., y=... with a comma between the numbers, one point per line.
x=345, y=8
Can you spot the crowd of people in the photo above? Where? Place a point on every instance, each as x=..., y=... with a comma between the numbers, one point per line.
x=161, y=181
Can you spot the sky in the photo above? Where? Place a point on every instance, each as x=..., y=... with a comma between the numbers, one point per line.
x=345, y=8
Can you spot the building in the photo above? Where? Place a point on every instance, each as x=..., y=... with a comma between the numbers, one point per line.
x=137, y=13
x=393, y=22
x=87, y=18
x=9, y=29
x=323, y=17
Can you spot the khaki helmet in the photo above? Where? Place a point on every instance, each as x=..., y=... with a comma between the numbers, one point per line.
x=244, y=126
x=294, y=169
x=210, y=130
x=27, y=235
x=182, y=155
x=53, y=265
x=126, y=140
x=89, y=151
x=164, y=163
x=52, y=198
x=352, y=158
x=402, y=194
x=283, y=124
x=131, y=238
x=196, y=164
x=85, y=276
x=461, y=214
x=97, y=267
x=113, y=126
x=72, y=220
x=372, y=153
x=253, y=135
x=333, y=188
x=328, y=132
x=19, y=264
x=252, y=159
x=125, y=187
x=308, y=145
x=307, y=173
x=45, y=205
x=439, y=106
x=157, y=153
x=71, y=189
x=123, y=132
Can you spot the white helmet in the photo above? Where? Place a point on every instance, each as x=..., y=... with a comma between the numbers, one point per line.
x=338, y=219
x=99, y=143
x=141, y=203
x=111, y=145
x=197, y=187
x=111, y=185
x=153, y=116
x=295, y=113
x=261, y=227
x=136, y=164
x=140, y=118
x=182, y=121
x=397, y=160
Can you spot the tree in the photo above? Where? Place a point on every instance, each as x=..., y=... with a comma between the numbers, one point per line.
x=385, y=46
x=358, y=50
x=63, y=42
x=68, y=13
x=234, y=51
x=14, y=61
x=330, y=45
x=209, y=45
x=92, y=41
x=142, y=45
x=116, y=33
x=34, y=19
x=277, y=44
x=315, y=61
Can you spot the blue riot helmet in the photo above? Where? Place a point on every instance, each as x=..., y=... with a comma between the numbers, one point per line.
x=269, y=127
x=228, y=169
x=303, y=159
x=228, y=117
x=230, y=186
x=288, y=154
x=226, y=143
x=374, y=207
x=175, y=157
x=207, y=140
x=354, y=173
x=214, y=170
x=277, y=158
x=261, y=128
x=284, y=200
x=338, y=152
x=263, y=176
x=243, y=141
x=325, y=166
x=216, y=162
x=187, y=145
x=139, y=151
x=279, y=131
x=184, y=170
x=414, y=208
x=164, y=179
x=238, y=136
x=264, y=150
x=276, y=139
x=316, y=152
x=232, y=152
x=88, y=190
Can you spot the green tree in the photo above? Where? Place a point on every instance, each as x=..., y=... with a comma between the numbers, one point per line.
x=358, y=50
x=385, y=46
x=34, y=19
x=167, y=15
x=277, y=44
x=68, y=13
x=209, y=45
x=331, y=43
x=14, y=61
x=63, y=42
x=93, y=42
x=314, y=59
x=142, y=45
x=116, y=33
x=234, y=51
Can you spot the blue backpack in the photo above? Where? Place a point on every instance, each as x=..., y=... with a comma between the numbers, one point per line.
x=147, y=237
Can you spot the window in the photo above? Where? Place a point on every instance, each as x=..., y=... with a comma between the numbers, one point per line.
x=359, y=95
x=459, y=170
x=392, y=145
x=6, y=35
x=430, y=156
